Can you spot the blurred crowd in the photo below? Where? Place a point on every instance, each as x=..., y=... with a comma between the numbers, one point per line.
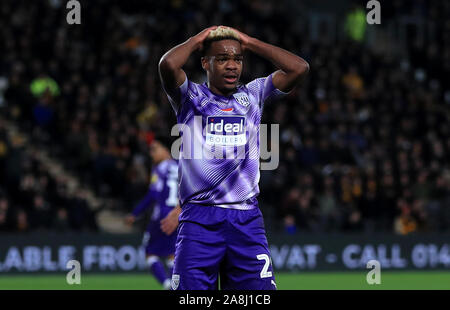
x=365, y=140
x=31, y=199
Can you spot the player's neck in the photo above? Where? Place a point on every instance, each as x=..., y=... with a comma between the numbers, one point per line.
x=219, y=92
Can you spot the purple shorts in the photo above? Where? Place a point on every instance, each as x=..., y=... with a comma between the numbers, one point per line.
x=215, y=241
x=158, y=243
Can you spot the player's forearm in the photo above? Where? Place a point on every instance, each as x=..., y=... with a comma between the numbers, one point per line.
x=284, y=60
x=144, y=204
x=176, y=57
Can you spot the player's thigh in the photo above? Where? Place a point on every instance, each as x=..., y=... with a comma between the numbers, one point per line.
x=248, y=263
x=198, y=254
x=248, y=267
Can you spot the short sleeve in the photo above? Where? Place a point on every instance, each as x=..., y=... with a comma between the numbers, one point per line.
x=265, y=91
x=270, y=92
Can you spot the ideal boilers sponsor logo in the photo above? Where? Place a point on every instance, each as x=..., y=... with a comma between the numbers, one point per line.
x=226, y=130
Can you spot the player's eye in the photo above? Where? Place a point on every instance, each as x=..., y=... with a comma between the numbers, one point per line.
x=222, y=60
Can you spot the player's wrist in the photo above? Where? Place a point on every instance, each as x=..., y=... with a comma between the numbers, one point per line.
x=249, y=44
x=195, y=42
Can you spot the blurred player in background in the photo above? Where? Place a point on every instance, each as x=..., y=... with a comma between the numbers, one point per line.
x=221, y=227
x=160, y=236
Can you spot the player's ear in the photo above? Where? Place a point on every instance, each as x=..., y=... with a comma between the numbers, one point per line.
x=205, y=63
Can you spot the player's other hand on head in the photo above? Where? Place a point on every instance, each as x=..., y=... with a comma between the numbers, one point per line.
x=202, y=35
x=243, y=38
x=130, y=219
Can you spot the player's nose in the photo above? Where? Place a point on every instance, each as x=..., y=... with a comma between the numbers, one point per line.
x=231, y=65
x=231, y=69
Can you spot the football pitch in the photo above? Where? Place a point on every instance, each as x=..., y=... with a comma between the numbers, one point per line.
x=285, y=281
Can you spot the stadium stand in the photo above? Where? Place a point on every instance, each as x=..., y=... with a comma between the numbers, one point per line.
x=365, y=142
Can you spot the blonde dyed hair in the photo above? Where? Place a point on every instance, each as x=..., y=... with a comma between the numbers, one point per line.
x=222, y=33
x=219, y=34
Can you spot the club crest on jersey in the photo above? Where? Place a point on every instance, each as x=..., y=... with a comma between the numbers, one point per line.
x=242, y=99
x=226, y=130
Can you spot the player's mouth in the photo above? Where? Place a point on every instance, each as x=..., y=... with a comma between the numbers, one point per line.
x=231, y=78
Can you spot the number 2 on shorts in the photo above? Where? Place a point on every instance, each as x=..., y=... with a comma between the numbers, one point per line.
x=264, y=273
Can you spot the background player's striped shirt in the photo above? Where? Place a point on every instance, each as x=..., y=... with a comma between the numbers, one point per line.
x=162, y=194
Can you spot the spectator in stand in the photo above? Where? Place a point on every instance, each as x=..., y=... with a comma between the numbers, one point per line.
x=5, y=214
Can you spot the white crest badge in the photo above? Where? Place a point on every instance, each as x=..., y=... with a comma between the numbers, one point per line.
x=242, y=99
x=175, y=281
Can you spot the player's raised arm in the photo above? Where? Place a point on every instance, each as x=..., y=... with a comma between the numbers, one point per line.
x=171, y=63
x=292, y=68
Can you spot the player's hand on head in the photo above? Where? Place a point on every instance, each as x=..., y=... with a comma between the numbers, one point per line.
x=244, y=38
x=202, y=35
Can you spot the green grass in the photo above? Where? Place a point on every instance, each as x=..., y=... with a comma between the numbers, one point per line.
x=298, y=281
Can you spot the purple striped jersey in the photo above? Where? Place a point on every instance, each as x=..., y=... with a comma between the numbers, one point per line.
x=162, y=195
x=219, y=152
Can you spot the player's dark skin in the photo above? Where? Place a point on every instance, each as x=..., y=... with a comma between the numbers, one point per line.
x=223, y=66
x=291, y=68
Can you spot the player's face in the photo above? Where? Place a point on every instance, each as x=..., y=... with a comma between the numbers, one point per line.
x=223, y=65
x=157, y=152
